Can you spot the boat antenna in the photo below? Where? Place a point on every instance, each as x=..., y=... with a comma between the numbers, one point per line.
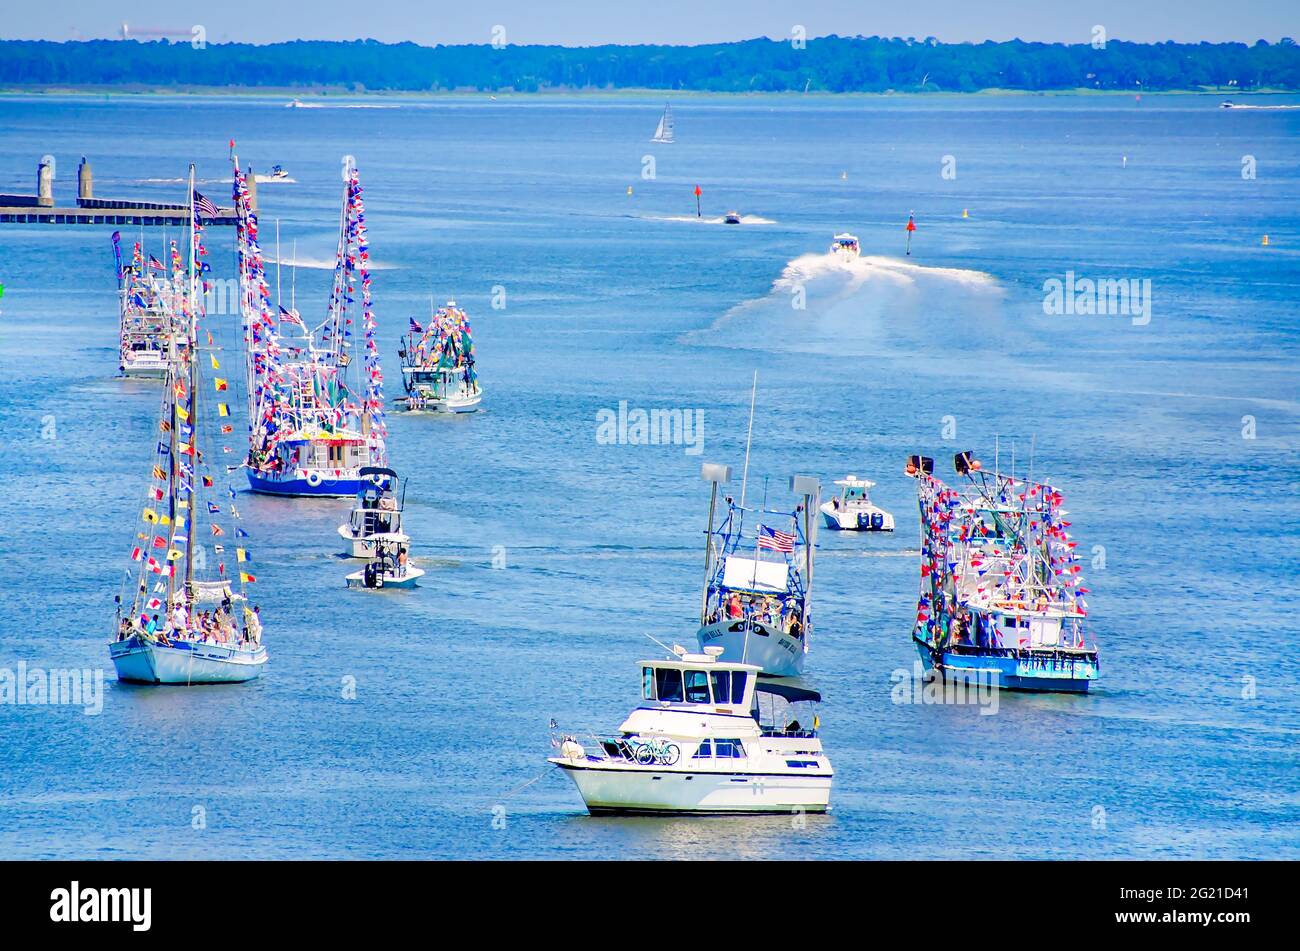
x=749, y=438
x=293, y=279
x=278, y=298
x=666, y=648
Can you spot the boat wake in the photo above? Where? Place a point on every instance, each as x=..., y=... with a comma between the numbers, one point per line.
x=868, y=306
x=309, y=262
x=720, y=220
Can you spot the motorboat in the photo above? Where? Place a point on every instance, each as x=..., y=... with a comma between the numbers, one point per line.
x=853, y=511
x=377, y=511
x=389, y=568
x=845, y=246
x=708, y=737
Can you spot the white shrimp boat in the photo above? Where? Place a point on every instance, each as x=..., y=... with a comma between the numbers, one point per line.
x=758, y=608
x=846, y=246
x=853, y=511
x=173, y=641
x=149, y=331
x=438, y=364
x=388, y=568
x=709, y=737
x=378, y=511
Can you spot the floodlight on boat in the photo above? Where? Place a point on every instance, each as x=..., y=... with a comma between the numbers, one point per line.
x=919, y=464
x=965, y=462
x=715, y=473
x=679, y=650
x=805, y=485
x=714, y=651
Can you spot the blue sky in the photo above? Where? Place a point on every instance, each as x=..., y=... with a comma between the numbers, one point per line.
x=587, y=22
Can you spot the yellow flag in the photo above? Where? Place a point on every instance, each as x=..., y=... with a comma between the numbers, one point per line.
x=150, y=515
x=219, y=384
x=215, y=364
x=182, y=415
x=163, y=519
x=241, y=555
x=175, y=555
x=223, y=410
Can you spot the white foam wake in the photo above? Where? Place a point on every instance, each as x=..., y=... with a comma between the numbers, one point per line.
x=870, y=306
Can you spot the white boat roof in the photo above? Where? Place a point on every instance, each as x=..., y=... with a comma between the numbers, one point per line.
x=855, y=482
x=698, y=662
x=749, y=574
x=845, y=236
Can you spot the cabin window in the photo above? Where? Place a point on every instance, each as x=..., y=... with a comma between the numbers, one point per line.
x=648, y=683
x=668, y=684
x=697, y=686
x=729, y=749
x=705, y=751
x=721, y=686
x=738, y=686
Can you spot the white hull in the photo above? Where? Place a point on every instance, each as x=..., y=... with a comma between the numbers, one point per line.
x=628, y=788
x=145, y=370
x=454, y=404
x=846, y=519
x=778, y=654
x=356, y=546
x=406, y=580
x=138, y=662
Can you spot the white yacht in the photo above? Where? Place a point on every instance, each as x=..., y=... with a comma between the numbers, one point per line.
x=377, y=511
x=708, y=737
x=389, y=568
x=846, y=246
x=853, y=511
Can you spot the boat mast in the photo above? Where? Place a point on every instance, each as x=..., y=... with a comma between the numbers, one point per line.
x=192, y=331
x=744, y=479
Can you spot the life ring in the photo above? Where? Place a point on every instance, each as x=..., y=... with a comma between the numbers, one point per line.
x=313, y=478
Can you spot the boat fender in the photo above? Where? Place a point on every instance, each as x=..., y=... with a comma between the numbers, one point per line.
x=313, y=479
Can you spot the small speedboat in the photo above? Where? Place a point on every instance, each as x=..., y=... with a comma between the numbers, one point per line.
x=1227, y=104
x=731, y=218
x=389, y=567
x=708, y=738
x=278, y=173
x=378, y=511
x=853, y=511
x=846, y=246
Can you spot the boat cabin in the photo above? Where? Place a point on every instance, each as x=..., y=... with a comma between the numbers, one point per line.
x=846, y=244
x=1015, y=624
x=854, y=490
x=337, y=453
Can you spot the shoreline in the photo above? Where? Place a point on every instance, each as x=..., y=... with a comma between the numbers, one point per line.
x=339, y=92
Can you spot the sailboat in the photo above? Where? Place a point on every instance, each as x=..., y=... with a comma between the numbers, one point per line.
x=166, y=635
x=1002, y=597
x=664, y=132
x=438, y=364
x=316, y=412
x=147, y=323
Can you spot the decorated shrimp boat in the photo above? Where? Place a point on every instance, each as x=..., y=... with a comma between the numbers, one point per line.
x=377, y=511
x=150, y=334
x=757, y=607
x=162, y=633
x=438, y=364
x=389, y=567
x=1002, y=597
x=845, y=246
x=709, y=737
x=316, y=411
x=853, y=511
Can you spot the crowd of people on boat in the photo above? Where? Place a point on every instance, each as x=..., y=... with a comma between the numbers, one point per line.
x=784, y=614
x=184, y=623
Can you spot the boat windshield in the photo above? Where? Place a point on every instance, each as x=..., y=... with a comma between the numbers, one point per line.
x=672, y=685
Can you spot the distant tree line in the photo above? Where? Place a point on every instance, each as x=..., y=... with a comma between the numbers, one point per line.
x=825, y=64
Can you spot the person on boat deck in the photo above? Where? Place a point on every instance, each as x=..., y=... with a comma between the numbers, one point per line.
x=734, y=609
x=794, y=727
x=254, y=626
x=180, y=616
x=401, y=559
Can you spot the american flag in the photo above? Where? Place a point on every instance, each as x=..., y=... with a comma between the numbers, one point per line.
x=773, y=540
x=204, y=207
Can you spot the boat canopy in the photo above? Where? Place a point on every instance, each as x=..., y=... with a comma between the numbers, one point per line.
x=376, y=470
x=852, y=481
x=792, y=689
x=750, y=574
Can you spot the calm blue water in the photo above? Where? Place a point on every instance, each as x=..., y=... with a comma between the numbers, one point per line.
x=610, y=298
